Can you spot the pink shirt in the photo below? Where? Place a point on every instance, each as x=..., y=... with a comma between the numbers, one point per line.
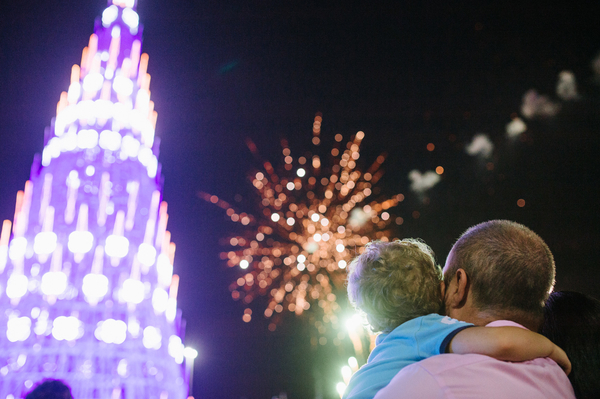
x=452, y=376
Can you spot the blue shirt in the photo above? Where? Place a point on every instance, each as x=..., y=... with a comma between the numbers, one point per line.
x=410, y=342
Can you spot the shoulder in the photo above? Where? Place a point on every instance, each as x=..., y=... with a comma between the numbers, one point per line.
x=475, y=376
x=430, y=321
x=414, y=381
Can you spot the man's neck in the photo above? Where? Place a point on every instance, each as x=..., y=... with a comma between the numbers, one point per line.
x=483, y=318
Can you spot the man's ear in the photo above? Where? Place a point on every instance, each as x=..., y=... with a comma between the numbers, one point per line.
x=459, y=291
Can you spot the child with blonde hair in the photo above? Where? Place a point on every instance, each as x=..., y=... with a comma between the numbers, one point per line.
x=400, y=289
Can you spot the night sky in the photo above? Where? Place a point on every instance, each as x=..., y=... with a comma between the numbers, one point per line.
x=406, y=73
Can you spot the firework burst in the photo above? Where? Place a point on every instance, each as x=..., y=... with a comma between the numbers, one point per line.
x=312, y=221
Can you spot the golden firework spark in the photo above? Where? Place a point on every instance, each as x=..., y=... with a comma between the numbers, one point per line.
x=313, y=220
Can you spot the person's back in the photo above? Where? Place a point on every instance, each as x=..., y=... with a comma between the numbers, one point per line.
x=473, y=376
x=497, y=271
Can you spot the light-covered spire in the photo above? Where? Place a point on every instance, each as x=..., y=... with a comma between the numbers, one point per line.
x=124, y=3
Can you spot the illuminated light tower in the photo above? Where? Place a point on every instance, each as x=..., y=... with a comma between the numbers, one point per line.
x=87, y=289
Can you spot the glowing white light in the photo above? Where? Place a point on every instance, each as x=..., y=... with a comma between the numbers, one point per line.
x=115, y=32
x=152, y=167
x=152, y=338
x=3, y=257
x=41, y=326
x=17, y=248
x=340, y=388
x=311, y=247
x=176, y=348
x=340, y=247
x=46, y=157
x=110, y=140
x=18, y=329
x=317, y=237
x=290, y=221
x=355, y=323
x=90, y=170
x=131, y=18
x=67, y=328
x=315, y=217
x=146, y=254
x=116, y=246
x=74, y=92
x=147, y=132
x=160, y=300
x=358, y=217
x=111, y=331
x=16, y=286
x=171, y=311
x=133, y=326
x=140, y=114
x=21, y=359
x=132, y=291
x=80, y=242
x=85, y=110
x=190, y=353
x=45, y=242
x=244, y=264
x=122, y=368
x=290, y=186
x=324, y=222
x=123, y=85
x=301, y=172
x=103, y=108
x=325, y=237
x=301, y=258
x=145, y=155
x=68, y=141
x=73, y=179
x=109, y=15
x=342, y=264
x=130, y=146
x=301, y=266
x=95, y=286
x=53, y=147
x=93, y=82
x=346, y=372
x=54, y=283
x=352, y=362
x=275, y=217
x=164, y=269
x=67, y=116
x=121, y=112
x=87, y=138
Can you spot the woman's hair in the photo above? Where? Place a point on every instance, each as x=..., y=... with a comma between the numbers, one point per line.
x=572, y=321
x=393, y=282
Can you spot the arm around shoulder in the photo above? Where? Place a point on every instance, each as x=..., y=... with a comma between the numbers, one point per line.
x=508, y=343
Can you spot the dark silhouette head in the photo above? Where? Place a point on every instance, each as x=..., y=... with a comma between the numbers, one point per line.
x=572, y=321
x=50, y=389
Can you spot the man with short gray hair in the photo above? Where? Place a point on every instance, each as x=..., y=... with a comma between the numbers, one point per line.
x=498, y=273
